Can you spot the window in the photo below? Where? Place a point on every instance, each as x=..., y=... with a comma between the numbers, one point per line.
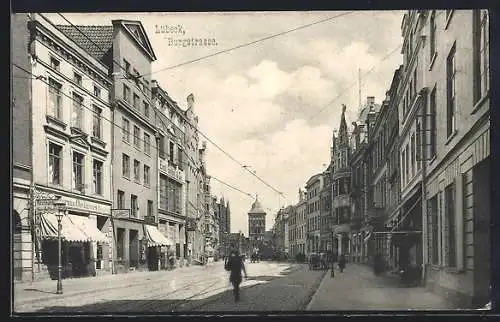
x=147, y=144
x=171, y=151
x=135, y=102
x=55, y=163
x=161, y=143
x=97, y=122
x=137, y=134
x=55, y=99
x=451, y=227
x=432, y=123
x=121, y=200
x=126, y=166
x=134, y=205
x=150, y=207
x=146, y=110
x=78, y=171
x=146, y=176
x=137, y=171
x=97, y=176
x=450, y=93
x=179, y=157
x=77, y=113
x=55, y=63
x=126, y=93
x=418, y=146
x=125, y=130
x=432, y=34
x=127, y=67
x=77, y=78
x=97, y=91
x=481, y=54
x=413, y=154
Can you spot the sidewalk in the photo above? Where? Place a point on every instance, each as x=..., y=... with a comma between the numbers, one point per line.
x=357, y=288
x=46, y=289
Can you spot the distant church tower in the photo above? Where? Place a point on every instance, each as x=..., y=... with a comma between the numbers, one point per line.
x=256, y=224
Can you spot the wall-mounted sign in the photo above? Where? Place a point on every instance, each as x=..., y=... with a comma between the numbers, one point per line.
x=120, y=213
x=85, y=205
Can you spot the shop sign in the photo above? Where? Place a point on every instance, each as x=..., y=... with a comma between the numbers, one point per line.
x=85, y=205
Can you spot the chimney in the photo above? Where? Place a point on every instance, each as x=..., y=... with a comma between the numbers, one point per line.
x=370, y=100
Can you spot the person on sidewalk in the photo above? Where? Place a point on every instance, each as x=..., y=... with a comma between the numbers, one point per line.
x=235, y=265
x=342, y=262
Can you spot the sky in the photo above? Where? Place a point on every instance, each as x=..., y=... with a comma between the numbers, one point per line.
x=274, y=104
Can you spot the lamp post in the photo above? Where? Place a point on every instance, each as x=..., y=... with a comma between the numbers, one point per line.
x=61, y=211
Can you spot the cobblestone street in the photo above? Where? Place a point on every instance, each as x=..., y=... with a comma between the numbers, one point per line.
x=182, y=289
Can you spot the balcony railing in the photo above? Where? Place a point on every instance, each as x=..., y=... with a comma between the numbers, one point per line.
x=172, y=171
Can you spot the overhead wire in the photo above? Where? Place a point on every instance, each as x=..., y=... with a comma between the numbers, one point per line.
x=252, y=42
x=198, y=131
x=42, y=79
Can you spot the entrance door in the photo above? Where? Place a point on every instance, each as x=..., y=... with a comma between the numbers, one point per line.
x=153, y=258
x=482, y=250
x=133, y=249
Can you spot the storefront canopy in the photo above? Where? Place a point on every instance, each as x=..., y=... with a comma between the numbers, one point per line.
x=69, y=231
x=156, y=238
x=89, y=228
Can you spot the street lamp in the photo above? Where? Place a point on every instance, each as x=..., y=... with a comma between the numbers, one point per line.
x=61, y=211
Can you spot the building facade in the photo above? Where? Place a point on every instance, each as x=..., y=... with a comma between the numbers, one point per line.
x=171, y=178
x=325, y=195
x=72, y=146
x=256, y=225
x=313, y=188
x=341, y=181
x=359, y=184
x=456, y=153
x=21, y=89
x=194, y=185
x=301, y=224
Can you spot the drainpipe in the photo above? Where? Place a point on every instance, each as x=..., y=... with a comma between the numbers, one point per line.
x=423, y=157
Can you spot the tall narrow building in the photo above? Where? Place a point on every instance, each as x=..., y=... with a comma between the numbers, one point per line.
x=256, y=224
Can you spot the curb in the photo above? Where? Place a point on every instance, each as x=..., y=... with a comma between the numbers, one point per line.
x=312, y=297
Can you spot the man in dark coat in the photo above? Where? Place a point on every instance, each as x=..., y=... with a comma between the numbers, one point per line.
x=235, y=265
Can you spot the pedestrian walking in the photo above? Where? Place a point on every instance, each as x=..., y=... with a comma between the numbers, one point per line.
x=341, y=262
x=235, y=265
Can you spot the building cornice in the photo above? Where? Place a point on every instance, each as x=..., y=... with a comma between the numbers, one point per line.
x=68, y=49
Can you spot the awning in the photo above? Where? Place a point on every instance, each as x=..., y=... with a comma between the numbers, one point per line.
x=156, y=238
x=69, y=231
x=407, y=213
x=89, y=228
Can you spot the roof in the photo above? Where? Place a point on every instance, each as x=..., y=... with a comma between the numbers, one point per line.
x=102, y=36
x=257, y=208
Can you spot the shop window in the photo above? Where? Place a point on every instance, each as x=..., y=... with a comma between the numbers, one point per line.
x=451, y=242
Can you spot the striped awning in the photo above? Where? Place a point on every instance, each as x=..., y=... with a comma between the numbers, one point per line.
x=156, y=238
x=89, y=228
x=69, y=231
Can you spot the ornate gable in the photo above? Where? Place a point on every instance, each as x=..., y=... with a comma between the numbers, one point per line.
x=137, y=31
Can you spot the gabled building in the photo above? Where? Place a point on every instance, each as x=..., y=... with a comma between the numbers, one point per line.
x=341, y=181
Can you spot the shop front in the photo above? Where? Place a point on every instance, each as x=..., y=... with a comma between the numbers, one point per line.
x=83, y=243
x=78, y=236
x=157, y=247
